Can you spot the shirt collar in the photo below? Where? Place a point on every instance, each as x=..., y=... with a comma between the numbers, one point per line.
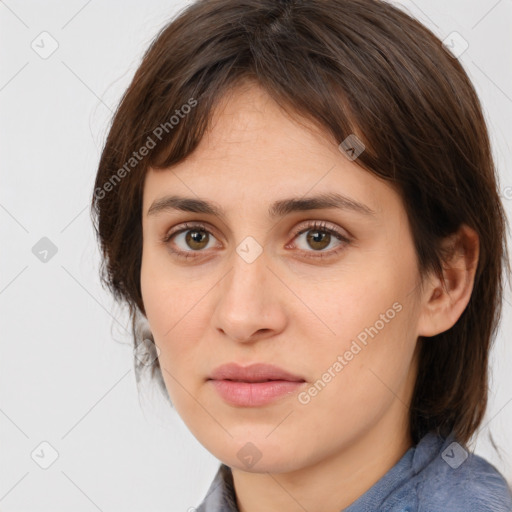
x=221, y=494
x=412, y=462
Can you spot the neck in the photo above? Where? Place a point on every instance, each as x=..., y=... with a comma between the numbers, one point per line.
x=336, y=481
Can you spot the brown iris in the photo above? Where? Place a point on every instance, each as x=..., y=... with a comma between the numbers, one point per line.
x=194, y=239
x=313, y=239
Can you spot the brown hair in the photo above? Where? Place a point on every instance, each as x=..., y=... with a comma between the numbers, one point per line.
x=352, y=67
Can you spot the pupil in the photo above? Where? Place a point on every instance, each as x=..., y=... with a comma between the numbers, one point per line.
x=196, y=237
x=316, y=238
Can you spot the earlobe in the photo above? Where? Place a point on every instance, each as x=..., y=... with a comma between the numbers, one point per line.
x=444, y=302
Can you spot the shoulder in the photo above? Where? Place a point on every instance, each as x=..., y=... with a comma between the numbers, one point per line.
x=459, y=480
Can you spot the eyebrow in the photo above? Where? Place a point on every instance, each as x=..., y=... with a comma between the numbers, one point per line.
x=279, y=208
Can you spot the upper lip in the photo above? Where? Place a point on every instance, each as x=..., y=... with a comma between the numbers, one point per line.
x=257, y=372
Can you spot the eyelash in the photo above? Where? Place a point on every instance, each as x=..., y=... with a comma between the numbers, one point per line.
x=315, y=226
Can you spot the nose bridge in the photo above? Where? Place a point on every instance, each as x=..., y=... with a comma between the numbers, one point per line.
x=248, y=274
x=246, y=304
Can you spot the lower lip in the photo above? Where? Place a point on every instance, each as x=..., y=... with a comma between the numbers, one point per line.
x=253, y=394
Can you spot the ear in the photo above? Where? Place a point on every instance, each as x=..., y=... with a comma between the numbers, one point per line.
x=443, y=303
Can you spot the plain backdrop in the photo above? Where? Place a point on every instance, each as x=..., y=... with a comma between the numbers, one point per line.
x=66, y=372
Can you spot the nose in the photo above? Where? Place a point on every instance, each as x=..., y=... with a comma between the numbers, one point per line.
x=250, y=300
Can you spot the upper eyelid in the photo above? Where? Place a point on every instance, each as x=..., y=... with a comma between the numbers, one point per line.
x=189, y=226
x=318, y=224
x=301, y=228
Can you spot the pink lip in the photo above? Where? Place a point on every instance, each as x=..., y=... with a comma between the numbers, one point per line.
x=254, y=385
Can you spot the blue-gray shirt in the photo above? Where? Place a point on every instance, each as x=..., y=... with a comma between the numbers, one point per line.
x=436, y=475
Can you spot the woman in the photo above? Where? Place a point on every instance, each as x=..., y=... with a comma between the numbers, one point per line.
x=298, y=200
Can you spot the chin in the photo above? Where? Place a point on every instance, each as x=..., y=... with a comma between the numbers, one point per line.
x=283, y=463
x=259, y=454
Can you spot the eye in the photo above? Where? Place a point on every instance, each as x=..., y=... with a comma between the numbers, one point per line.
x=193, y=238
x=320, y=237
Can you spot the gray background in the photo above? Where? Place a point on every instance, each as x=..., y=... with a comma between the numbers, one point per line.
x=66, y=374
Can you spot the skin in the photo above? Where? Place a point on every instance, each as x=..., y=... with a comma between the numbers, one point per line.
x=291, y=309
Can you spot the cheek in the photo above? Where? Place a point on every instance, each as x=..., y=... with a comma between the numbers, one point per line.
x=176, y=316
x=156, y=294
x=165, y=294
x=357, y=381
x=367, y=333
x=175, y=327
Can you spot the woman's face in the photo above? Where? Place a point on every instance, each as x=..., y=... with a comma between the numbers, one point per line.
x=255, y=289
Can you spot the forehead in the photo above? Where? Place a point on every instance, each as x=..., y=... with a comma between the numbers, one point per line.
x=248, y=126
x=253, y=151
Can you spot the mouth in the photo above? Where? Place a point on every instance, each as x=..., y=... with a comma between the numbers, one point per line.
x=255, y=394
x=254, y=373
x=257, y=381
x=255, y=385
